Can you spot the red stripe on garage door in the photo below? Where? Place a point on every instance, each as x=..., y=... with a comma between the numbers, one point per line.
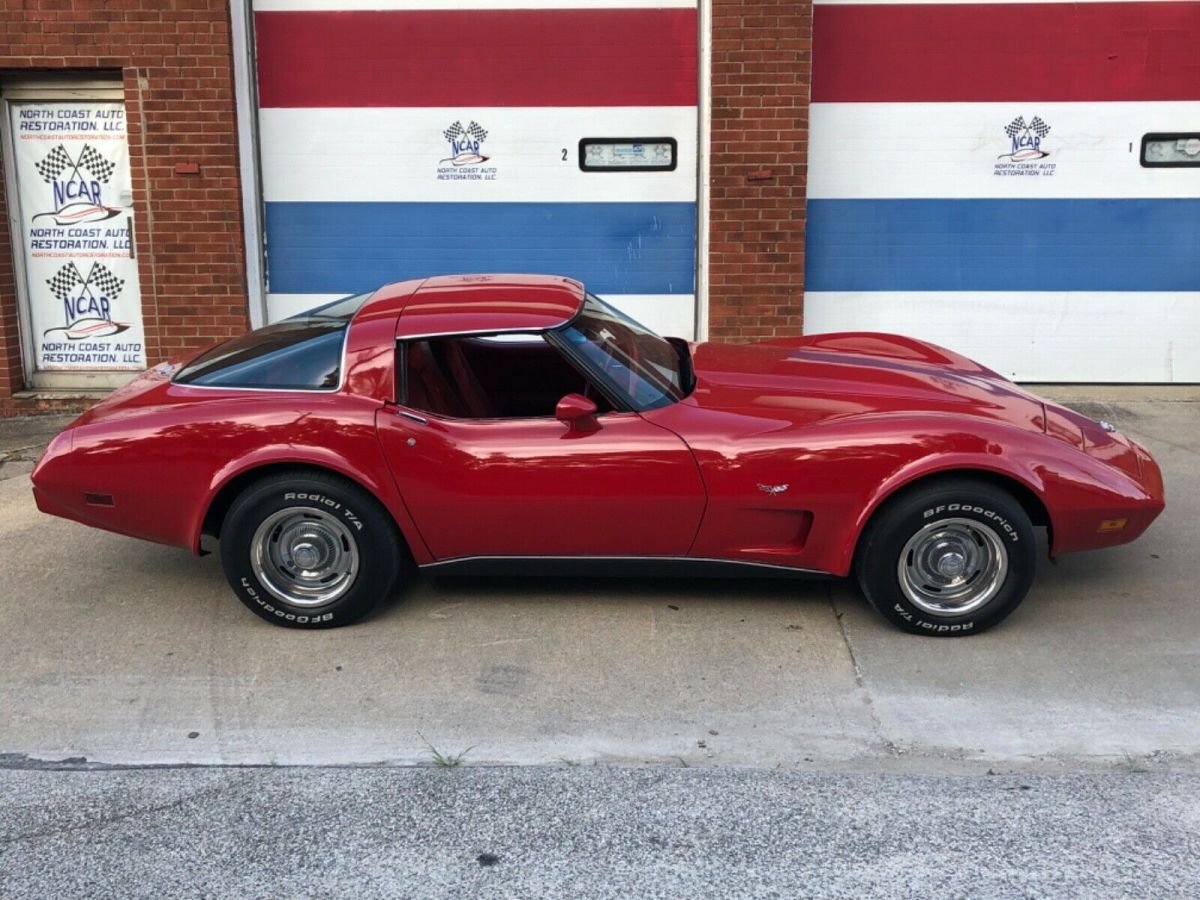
x=501, y=57
x=1006, y=51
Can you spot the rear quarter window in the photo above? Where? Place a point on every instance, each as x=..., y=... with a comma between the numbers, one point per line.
x=300, y=353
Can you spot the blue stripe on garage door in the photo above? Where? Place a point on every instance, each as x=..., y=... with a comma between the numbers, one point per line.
x=1003, y=245
x=613, y=248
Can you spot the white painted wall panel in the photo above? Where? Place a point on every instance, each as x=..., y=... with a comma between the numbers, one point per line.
x=668, y=314
x=951, y=150
x=1036, y=336
x=378, y=155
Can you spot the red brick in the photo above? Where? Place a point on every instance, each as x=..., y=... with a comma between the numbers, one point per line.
x=192, y=284
x=760, y=94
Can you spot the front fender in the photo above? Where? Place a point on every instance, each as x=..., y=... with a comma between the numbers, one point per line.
x=1076, y=491
x=932, y=466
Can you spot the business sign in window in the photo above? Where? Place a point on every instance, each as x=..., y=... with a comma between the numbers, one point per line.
x=627, y=154
x=72, y=172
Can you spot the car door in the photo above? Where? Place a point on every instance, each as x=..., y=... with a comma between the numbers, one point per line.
x=532, y=487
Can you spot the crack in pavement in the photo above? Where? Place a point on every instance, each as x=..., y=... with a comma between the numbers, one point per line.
x=105, y=821
x=888, y=745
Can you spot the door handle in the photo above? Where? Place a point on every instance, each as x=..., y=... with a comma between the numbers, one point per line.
x=413, y=416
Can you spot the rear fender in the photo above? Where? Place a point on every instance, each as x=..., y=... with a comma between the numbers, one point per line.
x=374, y=478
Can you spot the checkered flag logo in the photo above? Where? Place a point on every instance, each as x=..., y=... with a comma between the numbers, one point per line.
x=59, y=160
x=67, y=280
x=477, y=131
x=108, y=283
x=101, y=168
x=474, y=129
x=55, y=162
x=64, y=281
x=1017, y=126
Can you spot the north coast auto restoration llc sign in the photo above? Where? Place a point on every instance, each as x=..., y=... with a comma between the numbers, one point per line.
x=466, y=160
x=1026, y=152
x=72, y=166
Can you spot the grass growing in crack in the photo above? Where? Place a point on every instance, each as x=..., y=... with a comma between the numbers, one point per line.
x=445, y=760
x=1134, y=765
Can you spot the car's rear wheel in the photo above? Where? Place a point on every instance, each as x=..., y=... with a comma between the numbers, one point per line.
x=309, y=550
x=950, y=559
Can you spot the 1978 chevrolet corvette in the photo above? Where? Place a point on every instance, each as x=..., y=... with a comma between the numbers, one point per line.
x=501, y=423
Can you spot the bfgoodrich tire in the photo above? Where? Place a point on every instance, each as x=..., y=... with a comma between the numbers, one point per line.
x=947, y=560
x=309, y=550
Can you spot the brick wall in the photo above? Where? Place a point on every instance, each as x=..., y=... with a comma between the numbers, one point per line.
x=175, y=61
x=761, y=66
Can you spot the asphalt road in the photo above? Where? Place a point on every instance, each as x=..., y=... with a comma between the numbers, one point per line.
x=785, y=701
x=594, y=832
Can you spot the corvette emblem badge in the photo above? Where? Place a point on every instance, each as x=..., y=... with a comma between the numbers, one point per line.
x=773, y=488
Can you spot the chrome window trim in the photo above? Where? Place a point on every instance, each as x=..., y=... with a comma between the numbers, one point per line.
x=401, y=338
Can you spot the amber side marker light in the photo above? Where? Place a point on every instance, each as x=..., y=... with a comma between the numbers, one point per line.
x=1112, y=524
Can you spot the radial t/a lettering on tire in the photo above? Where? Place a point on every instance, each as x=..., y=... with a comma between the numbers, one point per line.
x=950, y=559
x=309, y=550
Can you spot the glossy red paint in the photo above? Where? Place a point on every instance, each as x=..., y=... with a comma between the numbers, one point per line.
x=577, y=412
x=846, y=420
x=463, y=304
x=780, y=454
x=533, y=487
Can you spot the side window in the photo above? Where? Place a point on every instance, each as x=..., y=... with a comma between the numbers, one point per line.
x=300, y=353
x=286, y=355
x=482, y=377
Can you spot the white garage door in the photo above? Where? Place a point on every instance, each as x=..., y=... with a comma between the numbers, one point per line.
x=407, y=138
x=1019, y=182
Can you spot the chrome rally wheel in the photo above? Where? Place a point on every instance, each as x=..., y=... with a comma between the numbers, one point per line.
x=948, y=558
x=304, y=556
x=952, y=567
x=310, y=549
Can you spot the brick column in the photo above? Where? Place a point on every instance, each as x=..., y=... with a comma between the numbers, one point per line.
x=761, y=72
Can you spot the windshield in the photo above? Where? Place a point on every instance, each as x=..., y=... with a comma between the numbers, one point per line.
x=625, y=356
x=300, y=353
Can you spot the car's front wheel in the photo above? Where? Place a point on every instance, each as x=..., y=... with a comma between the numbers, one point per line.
x=949, y=559
x=309, y=550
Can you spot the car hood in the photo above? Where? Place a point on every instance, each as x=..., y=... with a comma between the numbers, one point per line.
x=830, y=376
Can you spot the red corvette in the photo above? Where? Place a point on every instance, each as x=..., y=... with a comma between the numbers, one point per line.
x=503, y=423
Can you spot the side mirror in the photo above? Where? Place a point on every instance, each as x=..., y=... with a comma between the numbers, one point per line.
x=577, y=412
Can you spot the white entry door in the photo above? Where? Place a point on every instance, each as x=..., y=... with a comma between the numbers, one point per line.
x=70, y=207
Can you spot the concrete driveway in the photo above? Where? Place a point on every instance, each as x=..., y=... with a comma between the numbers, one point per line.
x=122, y=652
